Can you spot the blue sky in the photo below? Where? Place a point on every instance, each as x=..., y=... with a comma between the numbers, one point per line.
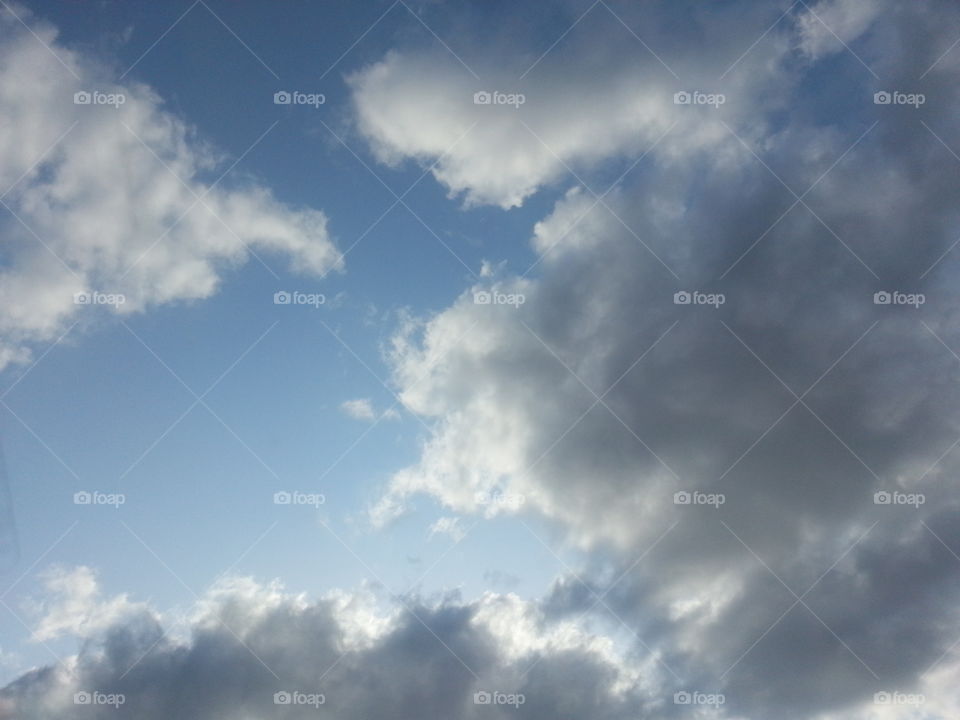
x=201, y=485
x=628, y=384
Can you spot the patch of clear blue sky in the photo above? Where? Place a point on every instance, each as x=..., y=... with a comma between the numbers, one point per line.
x=200, y=498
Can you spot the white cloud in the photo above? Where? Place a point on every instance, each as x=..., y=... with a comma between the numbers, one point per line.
x=124, y=203
x=614, y=100
x=359, y=409
x=448, y=526
x=498, y=161
x=76, y=607
x=362, y=409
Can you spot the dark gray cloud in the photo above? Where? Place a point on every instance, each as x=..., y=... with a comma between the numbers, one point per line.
x=798, y=399
x=249, y=642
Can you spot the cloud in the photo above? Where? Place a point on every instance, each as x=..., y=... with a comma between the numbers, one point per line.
x=828, y=27
x=585, y=103
x=117, y=197
x=359, y=409
x=77, y=607
x=792, y=398
x=250, y=642
x=362, y=409
x=448, y=526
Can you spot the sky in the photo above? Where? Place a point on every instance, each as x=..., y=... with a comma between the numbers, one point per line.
x=479, y=360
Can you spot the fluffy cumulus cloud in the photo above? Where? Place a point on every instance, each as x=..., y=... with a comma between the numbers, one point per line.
x=705, y=385
x=117, y=197
x=257, y=651
x=75, y=606
x=495, y=133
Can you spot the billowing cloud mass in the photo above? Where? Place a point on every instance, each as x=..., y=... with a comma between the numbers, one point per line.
x=116, y=197
x=567, y=113
x=768, y=329
x=249, y=648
